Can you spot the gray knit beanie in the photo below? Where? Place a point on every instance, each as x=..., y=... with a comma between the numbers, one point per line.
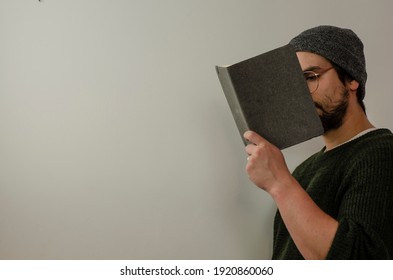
x=341, y=46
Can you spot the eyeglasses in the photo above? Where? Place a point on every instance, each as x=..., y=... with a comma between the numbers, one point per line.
x=312, y=78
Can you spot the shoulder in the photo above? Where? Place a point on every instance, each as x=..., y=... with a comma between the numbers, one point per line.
x=370, y=161
x=381, y=135
x=375, y=147
x=375, y=144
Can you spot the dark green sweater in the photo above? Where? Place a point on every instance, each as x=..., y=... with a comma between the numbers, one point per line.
x=353, y=183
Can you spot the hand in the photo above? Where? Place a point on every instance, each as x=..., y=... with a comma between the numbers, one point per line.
x=266, y=165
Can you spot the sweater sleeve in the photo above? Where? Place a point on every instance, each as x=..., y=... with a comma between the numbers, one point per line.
x=365, y=214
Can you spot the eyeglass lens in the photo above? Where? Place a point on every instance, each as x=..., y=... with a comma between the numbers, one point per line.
x=312, y=80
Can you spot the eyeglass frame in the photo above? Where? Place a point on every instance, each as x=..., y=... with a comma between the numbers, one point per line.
x=316, y=76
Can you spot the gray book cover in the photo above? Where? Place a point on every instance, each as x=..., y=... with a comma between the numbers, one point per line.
x=269, y=95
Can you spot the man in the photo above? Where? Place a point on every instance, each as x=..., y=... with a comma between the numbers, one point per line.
x=338, y=204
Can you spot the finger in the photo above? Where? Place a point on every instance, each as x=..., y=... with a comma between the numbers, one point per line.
x=250, y=149
x=254, y=138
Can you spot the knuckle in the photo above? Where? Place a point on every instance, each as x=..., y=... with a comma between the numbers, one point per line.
x=259, y=151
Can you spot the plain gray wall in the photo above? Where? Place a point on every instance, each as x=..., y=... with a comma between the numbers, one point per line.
x=116, y=141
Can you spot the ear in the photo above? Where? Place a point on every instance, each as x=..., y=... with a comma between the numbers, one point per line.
x=353, y=85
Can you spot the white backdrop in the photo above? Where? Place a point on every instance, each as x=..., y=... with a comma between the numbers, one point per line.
x=116, y=141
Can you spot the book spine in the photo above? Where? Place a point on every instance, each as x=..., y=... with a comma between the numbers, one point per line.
x=233, y=100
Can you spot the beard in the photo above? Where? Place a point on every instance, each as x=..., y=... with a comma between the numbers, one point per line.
x=332, y=116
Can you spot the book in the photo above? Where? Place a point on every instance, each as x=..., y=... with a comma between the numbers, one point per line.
x=268, y=94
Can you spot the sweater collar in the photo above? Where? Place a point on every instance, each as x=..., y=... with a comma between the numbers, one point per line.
x=364, y=132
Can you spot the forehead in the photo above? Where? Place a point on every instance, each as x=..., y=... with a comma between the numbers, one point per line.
x=311, y=60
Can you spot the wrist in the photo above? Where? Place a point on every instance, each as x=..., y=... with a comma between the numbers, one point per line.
x=282, y=188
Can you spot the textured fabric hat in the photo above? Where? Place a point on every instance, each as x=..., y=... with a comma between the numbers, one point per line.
x=339, y=45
